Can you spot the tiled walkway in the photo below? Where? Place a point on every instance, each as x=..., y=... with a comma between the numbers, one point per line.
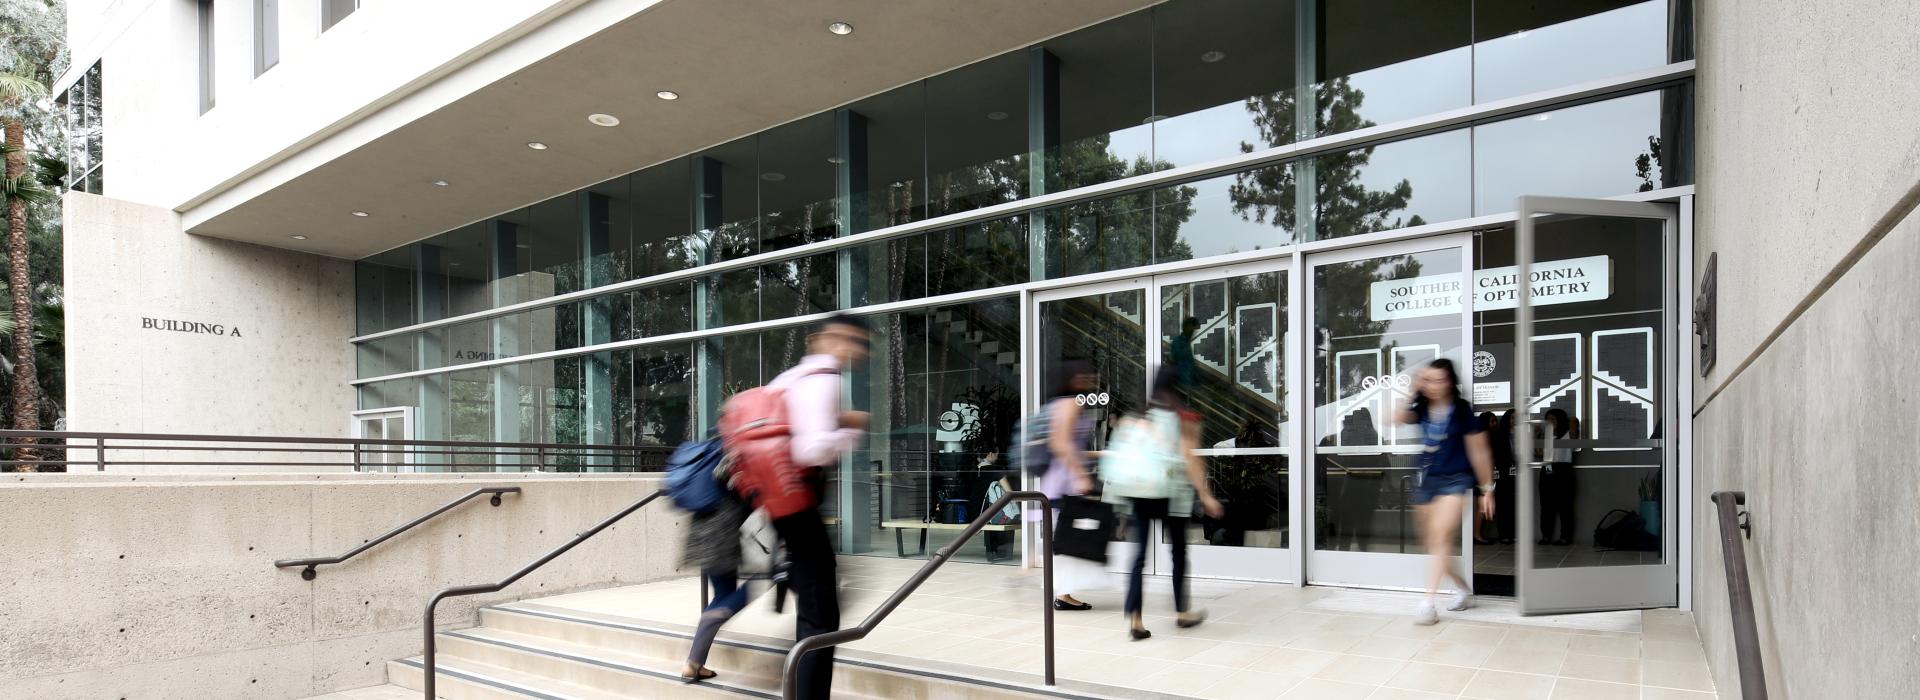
x=1262, y=640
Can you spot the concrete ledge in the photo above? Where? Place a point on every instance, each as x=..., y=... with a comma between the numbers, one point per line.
x=165, y=587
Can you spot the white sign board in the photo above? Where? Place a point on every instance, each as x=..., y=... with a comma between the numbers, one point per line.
x=1554, y=282
x=1485, y=393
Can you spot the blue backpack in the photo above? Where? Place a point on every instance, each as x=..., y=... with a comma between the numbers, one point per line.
x=1030, y=451
x=690, y=476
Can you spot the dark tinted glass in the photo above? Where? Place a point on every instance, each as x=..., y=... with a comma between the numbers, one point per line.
x=726, y=200
x=1101, y=79
x=884, y=144
x=1223, y=75
x=383, y=291
x=1524, y=46
x=1383, y=61
x=797, y=185
x=976, y=141
x=1103, y=235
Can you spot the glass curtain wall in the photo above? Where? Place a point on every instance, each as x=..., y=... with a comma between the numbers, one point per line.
x=1181, y=83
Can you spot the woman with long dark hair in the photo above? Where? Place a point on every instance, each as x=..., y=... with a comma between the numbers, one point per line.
x=1456, y=453
x=1177, y=429
x=1068, y=473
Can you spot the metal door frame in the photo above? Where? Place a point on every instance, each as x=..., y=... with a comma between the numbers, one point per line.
x=358, y=418
x=1368, y=569
x=1592, y=588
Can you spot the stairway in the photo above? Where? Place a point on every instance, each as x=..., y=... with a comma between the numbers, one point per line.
x=522, y=651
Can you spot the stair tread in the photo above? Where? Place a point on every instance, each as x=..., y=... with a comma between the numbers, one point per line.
x=731, y=680
x=528, y=684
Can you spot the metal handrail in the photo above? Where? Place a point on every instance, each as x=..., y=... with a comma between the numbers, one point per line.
x=1746, y=632
x=311, y=562
x=475, y=589
x=54, y=448
x=790, y=691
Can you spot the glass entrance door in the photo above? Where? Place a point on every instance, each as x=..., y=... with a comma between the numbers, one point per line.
x=1378, y=314
x=384, y=424
x=1596, y=431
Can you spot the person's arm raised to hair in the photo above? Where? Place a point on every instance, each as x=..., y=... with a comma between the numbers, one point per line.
x=1060, y=441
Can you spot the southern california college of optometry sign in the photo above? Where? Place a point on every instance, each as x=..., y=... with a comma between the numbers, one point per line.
x=1554, y=282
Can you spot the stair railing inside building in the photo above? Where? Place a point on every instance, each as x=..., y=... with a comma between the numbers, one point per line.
x=789, y=687
x=74, y=451
x=310, y=562
x=1735, y=530
x=427, y=664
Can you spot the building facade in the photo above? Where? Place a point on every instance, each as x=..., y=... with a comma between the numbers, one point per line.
x=593, y=222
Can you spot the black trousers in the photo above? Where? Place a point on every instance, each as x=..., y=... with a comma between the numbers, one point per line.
x=815, y=585
x=1556, y=502
x=1145, y=510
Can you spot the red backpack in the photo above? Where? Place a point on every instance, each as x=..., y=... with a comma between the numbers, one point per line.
x=754, y=426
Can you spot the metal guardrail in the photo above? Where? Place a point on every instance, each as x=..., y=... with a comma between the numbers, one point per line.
x=427, y=664
x=790, y=691
x=1746, y=633
x=55, y=448
x=311, y=562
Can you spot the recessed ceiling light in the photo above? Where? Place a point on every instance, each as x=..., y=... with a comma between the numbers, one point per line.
x=439, y=183
x=836, y=160
x=297, y=237
x=360, y=214
x=1543, y=117
x=773, y=177
x=523, y=246
x=536, y=145
x=1213, y=57
x=997, y=116
x=603, y=119
x=1153, y=118
x=841, y=28
x=667, y=95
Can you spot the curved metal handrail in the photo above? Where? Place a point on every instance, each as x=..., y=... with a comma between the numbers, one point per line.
x=475, y=589
x=310, y=562
x=857, y=632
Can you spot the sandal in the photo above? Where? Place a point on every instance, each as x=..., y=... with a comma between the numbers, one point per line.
x=703, y=674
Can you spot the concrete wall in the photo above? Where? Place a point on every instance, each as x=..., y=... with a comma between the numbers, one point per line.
x=1809, y=165
x=165, y=588
x=284, y=373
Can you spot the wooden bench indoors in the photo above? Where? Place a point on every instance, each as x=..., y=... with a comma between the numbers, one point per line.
x=900, y=527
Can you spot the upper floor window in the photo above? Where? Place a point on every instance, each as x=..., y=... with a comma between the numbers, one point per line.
x=205, y=22
x=84, y=171
x=332, y=11
x=266, y=35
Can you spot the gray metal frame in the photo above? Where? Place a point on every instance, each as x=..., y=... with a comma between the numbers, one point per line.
x=534, y=456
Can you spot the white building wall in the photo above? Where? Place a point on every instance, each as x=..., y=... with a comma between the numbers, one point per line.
x=278, y=368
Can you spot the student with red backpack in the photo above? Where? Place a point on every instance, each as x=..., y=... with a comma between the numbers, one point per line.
x=782, y=437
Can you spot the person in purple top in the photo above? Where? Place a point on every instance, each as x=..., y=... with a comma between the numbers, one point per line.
x=1068, y=474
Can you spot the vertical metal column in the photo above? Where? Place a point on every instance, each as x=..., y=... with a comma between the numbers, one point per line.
x=706, y=312
x=596, y=327
x=430, y=304
x=1306, y=117
x=852, y=214
x=1043, y=138
x=503, y=262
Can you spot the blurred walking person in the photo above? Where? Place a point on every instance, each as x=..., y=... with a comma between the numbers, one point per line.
x=1456, y=454
x=1151, y=468
x=713, y=546
x=783, y=437
x=1068, y=474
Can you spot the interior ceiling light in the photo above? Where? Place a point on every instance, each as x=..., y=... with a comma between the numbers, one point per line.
x=536, y=145
x=297, y=237
x=439, y=183
x=1213, y=57
x=360, y=214
x=1153, y=118
x=836, y=160
x=1543, y=117
x=667, y=95
x=773, y=177
x=841, y=28
x=603, y=120
x=997, y=116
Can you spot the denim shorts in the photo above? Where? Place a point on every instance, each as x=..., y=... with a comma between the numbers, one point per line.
x=1432, y=485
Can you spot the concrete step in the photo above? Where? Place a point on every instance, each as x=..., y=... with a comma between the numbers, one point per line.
x=556, y=645
x=463, y=679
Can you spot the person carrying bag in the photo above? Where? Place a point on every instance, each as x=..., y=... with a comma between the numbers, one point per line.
x=1150, y=466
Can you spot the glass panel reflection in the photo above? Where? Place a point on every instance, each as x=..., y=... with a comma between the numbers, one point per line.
x=1527, y=46
x=1394, y=185
x=1377, y=72
x=1604, y=149
x=1100, y=81
x=1223, y=75
x=1233, y=214
x=1365, y=466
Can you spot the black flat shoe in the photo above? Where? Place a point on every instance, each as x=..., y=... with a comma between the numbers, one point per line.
x=1059, y=604
x=1138, y=634
x=703, y=675
x=1191, y=620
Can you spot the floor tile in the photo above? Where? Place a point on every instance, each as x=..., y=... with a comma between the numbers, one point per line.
x=1647, y=693
x=1455, y=654
x=1679, y=675
x=1510, y=656
x=1576, y=689
x=1318, y=689
x=1500, y=685
x=1433, y=678
x=1615, y=647
x=1231, y=655
x=1601, y=668
x=1388, y=647
x=1179, y=678
x=1326, y=641
x=1295, y=662
x=1404, y=694
x=1471, y=634
x=1360, y=669
x=1668, y=650
x=1251, y=685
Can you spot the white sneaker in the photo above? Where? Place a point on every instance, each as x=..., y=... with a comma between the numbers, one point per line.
x=1461, y=601
x=1423, y=614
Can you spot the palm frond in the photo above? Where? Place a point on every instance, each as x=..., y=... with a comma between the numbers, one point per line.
x=16, y=87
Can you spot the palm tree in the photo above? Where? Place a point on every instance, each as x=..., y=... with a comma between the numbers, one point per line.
x=20, y=187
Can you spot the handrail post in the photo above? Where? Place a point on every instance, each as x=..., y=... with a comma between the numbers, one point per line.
x=1746, y=632
x=356, y=456
x=540, y=458
x=99, y=454
x=1046, y=583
